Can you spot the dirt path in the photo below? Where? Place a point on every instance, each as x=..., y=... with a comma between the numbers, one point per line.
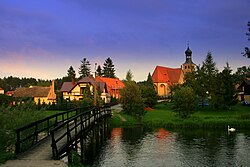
x=116, y=109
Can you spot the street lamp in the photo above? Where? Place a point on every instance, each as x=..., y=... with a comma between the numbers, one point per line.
x=95, y=86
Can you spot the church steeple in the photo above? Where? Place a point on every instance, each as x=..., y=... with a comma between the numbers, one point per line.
x=188, y=66
x=188, y=53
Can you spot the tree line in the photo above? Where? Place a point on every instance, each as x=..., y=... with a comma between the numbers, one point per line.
x=107, y=70
x=207, y=85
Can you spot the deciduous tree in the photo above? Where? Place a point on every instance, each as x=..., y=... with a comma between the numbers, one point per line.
x=131, y=100
x=185, y=101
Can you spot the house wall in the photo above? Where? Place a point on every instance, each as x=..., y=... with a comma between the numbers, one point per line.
x=1, y=91
x=247, y=98
x=75, y=94
x=43, y=100
x=188, y=68
x=162, y=89
x=181, y=79
x=115, y=93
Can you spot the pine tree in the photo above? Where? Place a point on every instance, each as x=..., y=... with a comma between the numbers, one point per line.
x=209, y=73
x=226, y=88
x=108, y=68
x=99, y=71
x=84, y=69
x=129, y=76
x=71, y=73
x=150, y=80
x=247, y=50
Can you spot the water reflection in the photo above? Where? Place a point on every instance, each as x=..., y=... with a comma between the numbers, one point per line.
x=138, y=146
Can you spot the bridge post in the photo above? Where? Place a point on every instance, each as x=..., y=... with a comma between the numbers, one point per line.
x=18, y=143
x=82, y=149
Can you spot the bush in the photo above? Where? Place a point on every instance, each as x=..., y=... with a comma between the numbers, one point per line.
x=5, y=100
x=185, y=101
x=11, y=118
x=149, y=95
x=131, y=100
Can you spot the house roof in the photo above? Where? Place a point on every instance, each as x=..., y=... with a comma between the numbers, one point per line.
x=67, y=86
x=166, y=75
x=112, y=83
x=36, y=91
x=89, y=79
x=1, y=88
x=247, y=81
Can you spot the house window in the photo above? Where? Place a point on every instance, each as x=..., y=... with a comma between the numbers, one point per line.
x=83, y=90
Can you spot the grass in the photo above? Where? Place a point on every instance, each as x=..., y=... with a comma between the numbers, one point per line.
x=164, y=116
x=10, y=119
x=116, y=120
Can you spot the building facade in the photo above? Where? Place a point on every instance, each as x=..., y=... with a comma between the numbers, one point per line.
x=39, y=94
x=165, y=77
x=106, y=88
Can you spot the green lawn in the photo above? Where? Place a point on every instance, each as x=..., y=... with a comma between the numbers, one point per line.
x=10, y=120
x=164, y=116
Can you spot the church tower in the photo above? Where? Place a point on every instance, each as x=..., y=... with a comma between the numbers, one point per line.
x=188, y=66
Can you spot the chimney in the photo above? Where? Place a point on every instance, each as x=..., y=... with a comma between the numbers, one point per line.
x=73, y=82
x=53, y=85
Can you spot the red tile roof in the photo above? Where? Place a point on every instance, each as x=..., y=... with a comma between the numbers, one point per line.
x=166, y=75
x=112, y=83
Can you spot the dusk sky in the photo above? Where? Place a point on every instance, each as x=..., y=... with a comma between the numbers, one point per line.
x=43, y=38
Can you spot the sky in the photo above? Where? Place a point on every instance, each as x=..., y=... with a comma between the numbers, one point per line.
x=43, y=38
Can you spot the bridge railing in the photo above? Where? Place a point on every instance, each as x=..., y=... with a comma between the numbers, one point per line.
x=65, y=134
x=34, y=132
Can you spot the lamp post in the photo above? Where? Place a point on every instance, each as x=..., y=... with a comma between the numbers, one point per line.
x=95, y=92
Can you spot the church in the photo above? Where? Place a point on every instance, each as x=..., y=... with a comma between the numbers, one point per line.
x=165, y=77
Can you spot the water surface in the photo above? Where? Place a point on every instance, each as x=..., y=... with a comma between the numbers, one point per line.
x=138, y=146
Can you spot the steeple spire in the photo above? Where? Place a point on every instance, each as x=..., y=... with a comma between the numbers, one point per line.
x=188, y=53
x=188, y=66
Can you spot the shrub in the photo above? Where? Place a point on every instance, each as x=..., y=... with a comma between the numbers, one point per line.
x=185, y=101
x=131, y=99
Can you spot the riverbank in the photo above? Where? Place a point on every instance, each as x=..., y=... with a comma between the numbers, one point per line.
x=204, y=117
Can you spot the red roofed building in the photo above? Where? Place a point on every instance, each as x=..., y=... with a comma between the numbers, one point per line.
x=165, y=77
x=114, y=85
x=76, y=90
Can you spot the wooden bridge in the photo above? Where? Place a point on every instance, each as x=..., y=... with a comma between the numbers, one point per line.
x=53, y=137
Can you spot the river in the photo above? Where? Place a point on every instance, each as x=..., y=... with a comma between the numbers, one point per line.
x=139, y=147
